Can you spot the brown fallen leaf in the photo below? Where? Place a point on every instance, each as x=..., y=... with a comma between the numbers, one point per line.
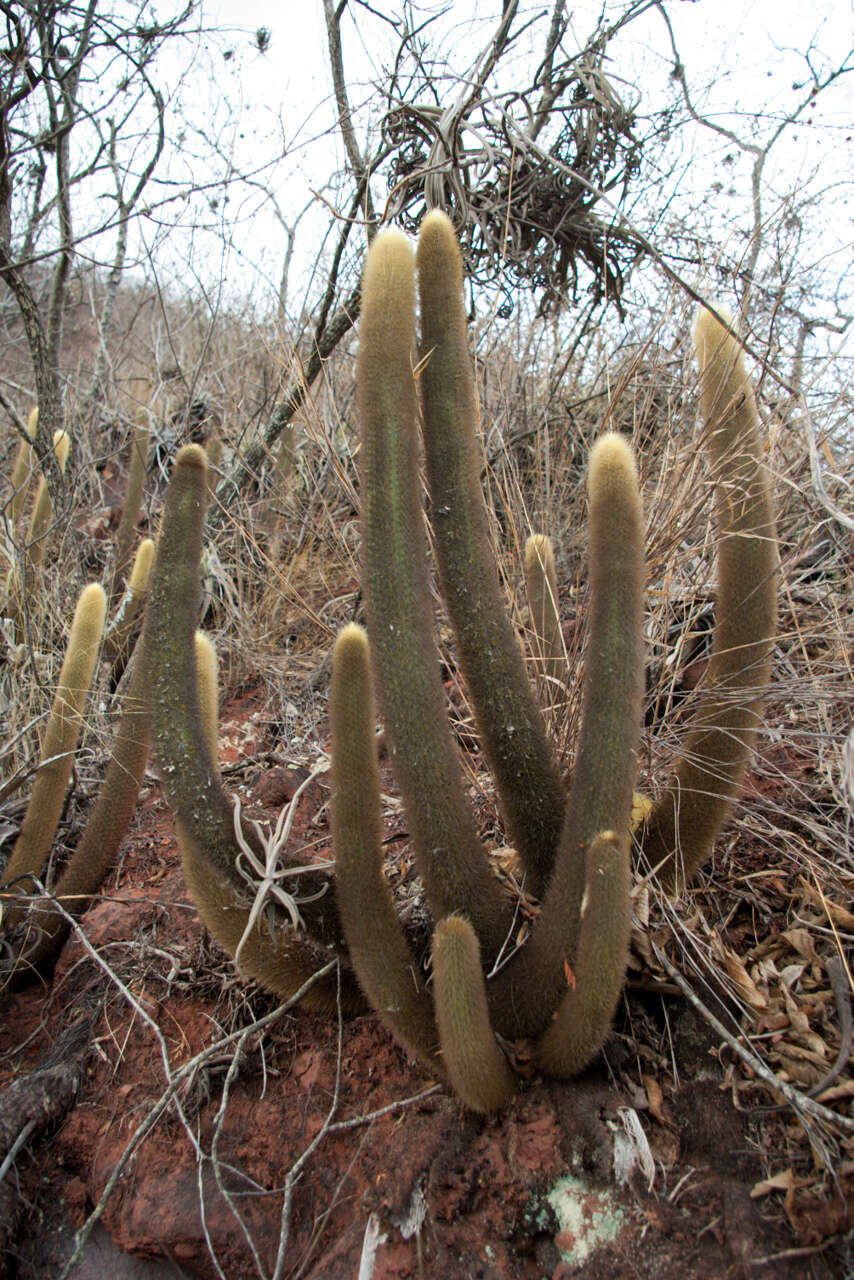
x=654, y=1098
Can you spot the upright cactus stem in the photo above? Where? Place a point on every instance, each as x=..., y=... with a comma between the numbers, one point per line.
x=528, y=990
x=476, y=1067
x=43, y=507
x=126, y=533
x=456, y=873
x=510, y=721
x=541, y=582
x=102, y=836
x=22, y=469
x=57, y=753
x=686, y=820
x=584, y=1015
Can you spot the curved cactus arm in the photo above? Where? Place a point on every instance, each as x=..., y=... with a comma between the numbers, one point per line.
x=385, y=965
x=511, y=724
x=528, y=990
x=279, y=960
x=541, y=583
x=476, y=1067
x=105, y=827
x=687, y=818
x=584, y=1016
x=204, y=813
x=456, y=873
x=58, y=745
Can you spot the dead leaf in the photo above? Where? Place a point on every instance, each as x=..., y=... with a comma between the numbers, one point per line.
x=800, y=940
x=797, y=1017
x=747, y=988
x=654, y=1098
x=782, y=1181
x=841, y=916
x=568, y=974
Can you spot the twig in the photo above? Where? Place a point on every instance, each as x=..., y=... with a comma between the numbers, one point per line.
x=298, y=1166
x=169, y=1093
x=15, y=1148
x=370, y=1116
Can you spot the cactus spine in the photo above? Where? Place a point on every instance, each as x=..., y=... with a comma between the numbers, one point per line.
x=688, y=817
x=60, y=739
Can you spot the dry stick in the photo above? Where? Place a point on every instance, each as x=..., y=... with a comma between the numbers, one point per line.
x=800, y=1101
x=219, y=1122
x=15, y=1148
x=370, y=1116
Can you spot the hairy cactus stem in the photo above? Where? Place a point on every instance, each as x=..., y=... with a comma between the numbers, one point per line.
x=58, y=745
x=456, y=872
x=686, y=820
x=476, y=1067
x=387, y=969
x=105, y=828
x=511, y=724
x=526, y=993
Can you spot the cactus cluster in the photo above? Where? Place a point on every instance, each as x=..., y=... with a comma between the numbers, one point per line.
x=37, y=929
x=561, y=987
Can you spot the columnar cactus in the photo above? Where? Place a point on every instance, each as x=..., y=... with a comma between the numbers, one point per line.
x=22, y=469
x=46, y=928
x=561, y=987
x=126, y=532
x=541, y=583
x=58, y=745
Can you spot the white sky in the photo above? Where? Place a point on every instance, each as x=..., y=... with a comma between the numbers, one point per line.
x=741, y=61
